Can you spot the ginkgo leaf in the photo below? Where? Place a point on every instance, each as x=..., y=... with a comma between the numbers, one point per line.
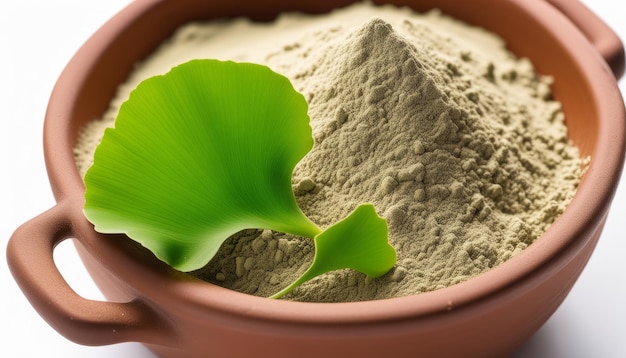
x=198, y=154
x=358, y=242
x=207, y=150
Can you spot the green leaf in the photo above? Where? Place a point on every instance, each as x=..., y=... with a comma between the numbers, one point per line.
x=198, y=154
x=358, y=242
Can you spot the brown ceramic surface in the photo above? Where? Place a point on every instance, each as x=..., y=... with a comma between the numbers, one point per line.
x=176, y=315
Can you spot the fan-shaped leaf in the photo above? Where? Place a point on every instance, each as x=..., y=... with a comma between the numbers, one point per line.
x=358, y=242
x=198, y=154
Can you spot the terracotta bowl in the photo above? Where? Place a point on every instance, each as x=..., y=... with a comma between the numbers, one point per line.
x=176, y=315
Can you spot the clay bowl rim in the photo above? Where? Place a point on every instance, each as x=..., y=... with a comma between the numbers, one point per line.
x=582, y=217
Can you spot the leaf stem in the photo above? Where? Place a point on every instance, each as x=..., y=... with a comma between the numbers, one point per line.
x=309, y=274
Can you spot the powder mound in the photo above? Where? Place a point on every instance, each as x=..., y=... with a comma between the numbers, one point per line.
x=391, y=104
x=456, y=142
x=448, y=154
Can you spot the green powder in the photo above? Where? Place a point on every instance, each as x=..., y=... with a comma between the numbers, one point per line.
x=455, y=141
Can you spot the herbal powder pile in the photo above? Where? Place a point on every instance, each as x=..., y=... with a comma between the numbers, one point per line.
x=455, y=141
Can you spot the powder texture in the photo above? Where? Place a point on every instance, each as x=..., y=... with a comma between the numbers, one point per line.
x=456, y=142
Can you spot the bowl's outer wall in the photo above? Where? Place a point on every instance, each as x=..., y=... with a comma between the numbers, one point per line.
x=488, y=316
x=493, y=327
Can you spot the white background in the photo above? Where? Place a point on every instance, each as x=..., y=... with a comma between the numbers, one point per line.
x=37, y=39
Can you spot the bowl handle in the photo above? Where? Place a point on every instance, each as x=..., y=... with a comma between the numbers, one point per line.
x=84, y=321
x=597, y=32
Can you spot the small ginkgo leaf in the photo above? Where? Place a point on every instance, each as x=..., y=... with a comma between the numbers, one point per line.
x=358, y=242
x=198, y=154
